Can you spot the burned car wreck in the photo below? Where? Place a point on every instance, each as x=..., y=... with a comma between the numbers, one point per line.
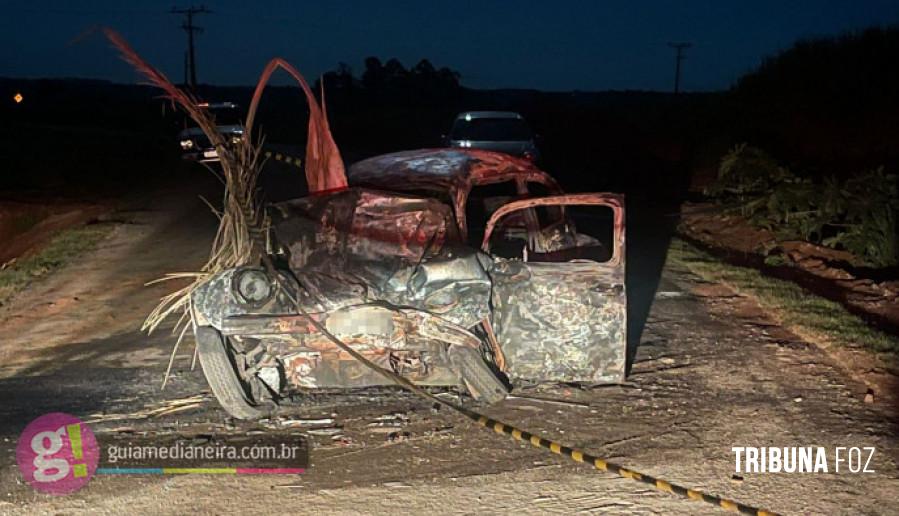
x=396, y=268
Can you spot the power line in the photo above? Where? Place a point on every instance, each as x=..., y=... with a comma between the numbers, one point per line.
x=679, y=56
x=190, y=64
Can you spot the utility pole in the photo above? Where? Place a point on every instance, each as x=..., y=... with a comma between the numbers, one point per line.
x=191, y=29
x=679, y=56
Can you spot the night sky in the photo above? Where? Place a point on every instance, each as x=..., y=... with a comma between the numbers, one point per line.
x=549, y=45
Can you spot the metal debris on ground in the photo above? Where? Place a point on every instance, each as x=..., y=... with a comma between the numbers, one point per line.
x=306, y=422
x=553, y=401
x=388, y=421
x=326, y=431
x=342, y=440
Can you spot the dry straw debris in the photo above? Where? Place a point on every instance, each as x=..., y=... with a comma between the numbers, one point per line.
x=242, y=220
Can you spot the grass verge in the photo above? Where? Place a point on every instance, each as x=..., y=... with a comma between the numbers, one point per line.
x=802, y=312
x=60, y=250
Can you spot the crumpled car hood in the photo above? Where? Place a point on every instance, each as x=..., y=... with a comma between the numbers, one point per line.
x=360, y=246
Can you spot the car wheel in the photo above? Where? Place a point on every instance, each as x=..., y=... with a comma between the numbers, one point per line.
x=221, y=374
x=481, y=381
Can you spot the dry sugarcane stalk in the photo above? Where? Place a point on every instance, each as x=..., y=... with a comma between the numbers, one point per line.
x=242, y=220
x=160, y=409
x=240, y=167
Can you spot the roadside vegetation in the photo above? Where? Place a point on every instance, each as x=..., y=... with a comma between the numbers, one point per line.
x=60, y=250
x=857, y=214
x=802, y=312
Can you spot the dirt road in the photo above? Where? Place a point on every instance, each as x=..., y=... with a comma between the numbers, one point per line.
x=711, y=372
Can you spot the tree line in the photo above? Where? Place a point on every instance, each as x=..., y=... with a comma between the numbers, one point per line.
x=391, y=81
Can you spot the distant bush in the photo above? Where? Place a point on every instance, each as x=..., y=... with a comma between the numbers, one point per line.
x=857, y=214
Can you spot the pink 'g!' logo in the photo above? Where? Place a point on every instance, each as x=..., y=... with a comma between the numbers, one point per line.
x=57, y=453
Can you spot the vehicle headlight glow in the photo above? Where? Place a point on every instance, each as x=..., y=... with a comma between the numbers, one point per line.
x=187, y=144
x=237, y=138
x=253, y=286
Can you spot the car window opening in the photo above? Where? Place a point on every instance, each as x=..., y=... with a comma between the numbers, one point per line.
x=483, y=200
x=584, y=233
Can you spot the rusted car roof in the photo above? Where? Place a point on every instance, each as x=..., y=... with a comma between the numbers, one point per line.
x=448, y=174
x=442, y=170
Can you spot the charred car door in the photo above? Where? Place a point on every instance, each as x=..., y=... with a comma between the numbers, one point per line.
x=559, y=312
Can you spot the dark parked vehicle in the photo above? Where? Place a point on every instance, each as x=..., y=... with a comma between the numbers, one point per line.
x=394, y=274
x=500, y=131
x=195, y=146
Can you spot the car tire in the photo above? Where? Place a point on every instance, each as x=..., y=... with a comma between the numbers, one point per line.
x=481, y=381
x=221, y=375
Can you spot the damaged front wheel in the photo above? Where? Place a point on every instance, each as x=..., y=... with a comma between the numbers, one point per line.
x=221, y=373
x=481, y=381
